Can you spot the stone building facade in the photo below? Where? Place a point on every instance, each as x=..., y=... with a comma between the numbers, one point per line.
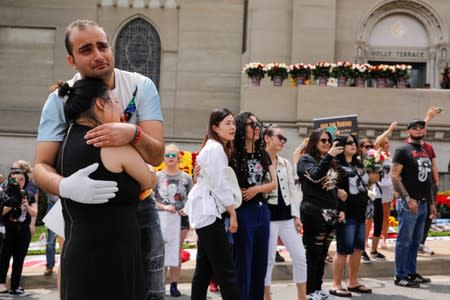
x=194, y=50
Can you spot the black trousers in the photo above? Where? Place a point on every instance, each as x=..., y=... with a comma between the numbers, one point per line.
x=377, y=217
x=214, y=259
x=317, y=237
x=17, y=240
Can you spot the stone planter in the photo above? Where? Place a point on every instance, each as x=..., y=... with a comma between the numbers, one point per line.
x=278, y=80
x=360, y=82
x=256, y=80
x=401, y=83
x=300, y=80
x=342, y=81
x=381, y=83
x=323, y=81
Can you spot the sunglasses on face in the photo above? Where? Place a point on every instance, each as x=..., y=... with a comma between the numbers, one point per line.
x=368, y=146
x=253, y=124
x=325, y=141
x=348, y=143
x=281, y=137
x=171, y=155
x=418, y=126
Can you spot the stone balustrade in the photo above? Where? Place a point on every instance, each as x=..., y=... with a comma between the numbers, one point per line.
x=149, y=4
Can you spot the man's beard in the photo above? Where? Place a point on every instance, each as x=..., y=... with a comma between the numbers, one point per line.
x=417, y=138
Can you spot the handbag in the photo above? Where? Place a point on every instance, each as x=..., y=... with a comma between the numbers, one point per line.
x=330, y=216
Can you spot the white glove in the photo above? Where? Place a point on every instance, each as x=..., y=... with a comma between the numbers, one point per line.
x=80, y=188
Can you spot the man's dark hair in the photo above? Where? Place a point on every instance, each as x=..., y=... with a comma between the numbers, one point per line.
x=80, y=25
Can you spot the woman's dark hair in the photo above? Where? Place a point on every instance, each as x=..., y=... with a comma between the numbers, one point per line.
x=239, y=153
x=81, y=97
x=314, y=137
x=217, y=116
x=340, y=158
x=268, y=131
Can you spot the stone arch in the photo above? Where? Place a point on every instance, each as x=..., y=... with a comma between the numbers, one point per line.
x=437, y=51
x=137, y=47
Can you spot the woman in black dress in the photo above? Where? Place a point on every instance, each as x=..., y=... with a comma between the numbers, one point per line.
x=101, y=257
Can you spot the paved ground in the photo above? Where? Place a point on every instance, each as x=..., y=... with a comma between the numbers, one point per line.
x=383, y=289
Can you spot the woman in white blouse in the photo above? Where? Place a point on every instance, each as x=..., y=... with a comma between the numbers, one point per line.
x=209, y=203
x=284, y=206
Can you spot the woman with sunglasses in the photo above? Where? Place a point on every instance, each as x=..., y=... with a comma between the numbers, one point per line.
x=209, y=202
x=284, y=206
x=381, y=214
x=320, y=208
x=365, y=144
x=350, y=235
x=171, y=194
x=256, y=176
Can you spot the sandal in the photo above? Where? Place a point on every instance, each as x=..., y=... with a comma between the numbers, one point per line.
x=340, y=292
x=362, y=289
x=329, y=259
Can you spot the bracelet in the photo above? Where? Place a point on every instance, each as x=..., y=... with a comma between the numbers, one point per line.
x=144, y=194
x=137, y=135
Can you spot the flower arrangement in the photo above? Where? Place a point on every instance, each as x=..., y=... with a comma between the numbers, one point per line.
x=277, y=69
x=443, y=204
x=342, y=69
x=254, y=69
x=300, y=70
x=361, y=70
x=401, y=72
x=374, y=161
x=321, y=69
x=381, y=71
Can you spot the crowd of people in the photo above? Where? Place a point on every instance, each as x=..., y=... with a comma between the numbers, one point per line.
x=102, y=130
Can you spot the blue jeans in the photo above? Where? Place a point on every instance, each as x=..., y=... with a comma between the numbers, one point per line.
x=251, y=245
x=51, y=238
x=152, y=249
x=349, y=236
x=410, y=233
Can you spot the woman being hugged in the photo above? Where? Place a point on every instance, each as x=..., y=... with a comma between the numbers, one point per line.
x=209, y=203
x=101, y=257
x=284, y=206
x=256, y=176
x=321, y=207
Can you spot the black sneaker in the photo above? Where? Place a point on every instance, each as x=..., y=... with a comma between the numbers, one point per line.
x=405, y=282
x=278, y=257
x=17, y=292
x=365, y=258
x=174, y=292
x=418, y=278
x=377, y=256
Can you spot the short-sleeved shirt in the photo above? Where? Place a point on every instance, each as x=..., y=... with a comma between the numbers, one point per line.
x=173, y=189
x=52, y=127
x=416, y=172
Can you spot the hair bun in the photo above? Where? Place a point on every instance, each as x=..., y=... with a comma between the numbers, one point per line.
x=63, y=89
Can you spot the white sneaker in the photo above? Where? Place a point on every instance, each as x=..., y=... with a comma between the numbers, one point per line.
x=425, y=250
x=324, y=295
x=314, y=296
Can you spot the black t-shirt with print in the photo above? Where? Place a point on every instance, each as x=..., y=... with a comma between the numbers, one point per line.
x=257, y=175
x=416, y=172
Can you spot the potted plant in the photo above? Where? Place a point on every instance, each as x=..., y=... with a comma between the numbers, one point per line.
x=342, y=70
x=401, y=75
x=255, y=71
x=277, y=72
x=360, y=73
x=300, y=73
x=321, y=71
x=381, y=73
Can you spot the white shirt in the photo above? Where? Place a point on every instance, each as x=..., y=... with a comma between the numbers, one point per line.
x=202, y=207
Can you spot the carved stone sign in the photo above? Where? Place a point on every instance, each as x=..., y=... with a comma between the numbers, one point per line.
x=397, y=54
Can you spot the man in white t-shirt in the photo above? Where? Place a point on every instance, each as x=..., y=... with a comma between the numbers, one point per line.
x=89, y=52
